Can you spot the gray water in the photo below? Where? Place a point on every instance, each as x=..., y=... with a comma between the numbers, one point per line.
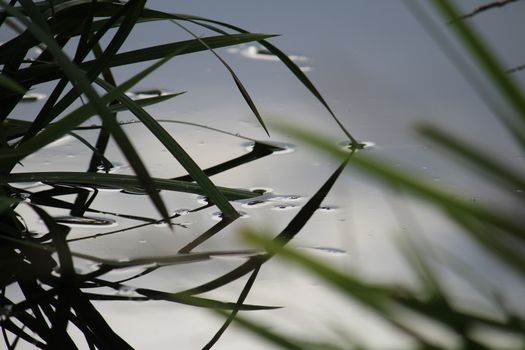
x=380, y=72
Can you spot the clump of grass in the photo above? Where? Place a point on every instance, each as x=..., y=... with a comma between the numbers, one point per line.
x=42, y=267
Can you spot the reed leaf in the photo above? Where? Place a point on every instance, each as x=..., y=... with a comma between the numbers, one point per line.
x=11, y=84
x=486, y=59
x=118, y=181
x=495, y=169
x=50, y=71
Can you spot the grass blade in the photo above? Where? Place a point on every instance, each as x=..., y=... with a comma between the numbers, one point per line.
x=66, y=288
x=487, y=60
x=89, y=316
x=495, y=242
x=46, y=72
x=282, y=341
x=234, y=312
x=96, y=153
x=11, y=84
x=259, y=150
x=144, y=102
x=212, y=231
x=185, y=47
x=236, y=79
x=465, y=67
x=497, y=170
x=118, y=181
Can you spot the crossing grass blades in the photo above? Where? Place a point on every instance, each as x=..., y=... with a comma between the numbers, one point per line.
x=42, y=267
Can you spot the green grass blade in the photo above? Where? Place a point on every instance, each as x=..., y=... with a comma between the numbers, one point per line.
x=138, y=166
x=130, y=18
x=497, y=170
x=296, y=70
x=11, y=84
x=465, y=67
x=280, y=340
x=203, y=237
x=259, y=150
x=100, y=156
x=144, y=102
x=184, y=299
x=440, y=311
x=6, y=203
x=238, y=305
x=185, y=47
x=236, y=79
x=495, y=242
x=269, y=145
x=14, y=128
x=66, y=286
x=91, y=318
x=486, y=59
x=118, y=181
x=168, y=260
x=34, y=13
x=46, y=72
x=418, y=262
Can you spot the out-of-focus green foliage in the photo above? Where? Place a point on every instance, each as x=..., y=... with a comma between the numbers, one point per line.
x=499, y=234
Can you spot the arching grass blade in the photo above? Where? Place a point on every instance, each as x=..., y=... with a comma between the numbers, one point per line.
x=118, y=181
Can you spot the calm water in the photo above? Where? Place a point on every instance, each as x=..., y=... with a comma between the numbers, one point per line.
x=380, y=72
